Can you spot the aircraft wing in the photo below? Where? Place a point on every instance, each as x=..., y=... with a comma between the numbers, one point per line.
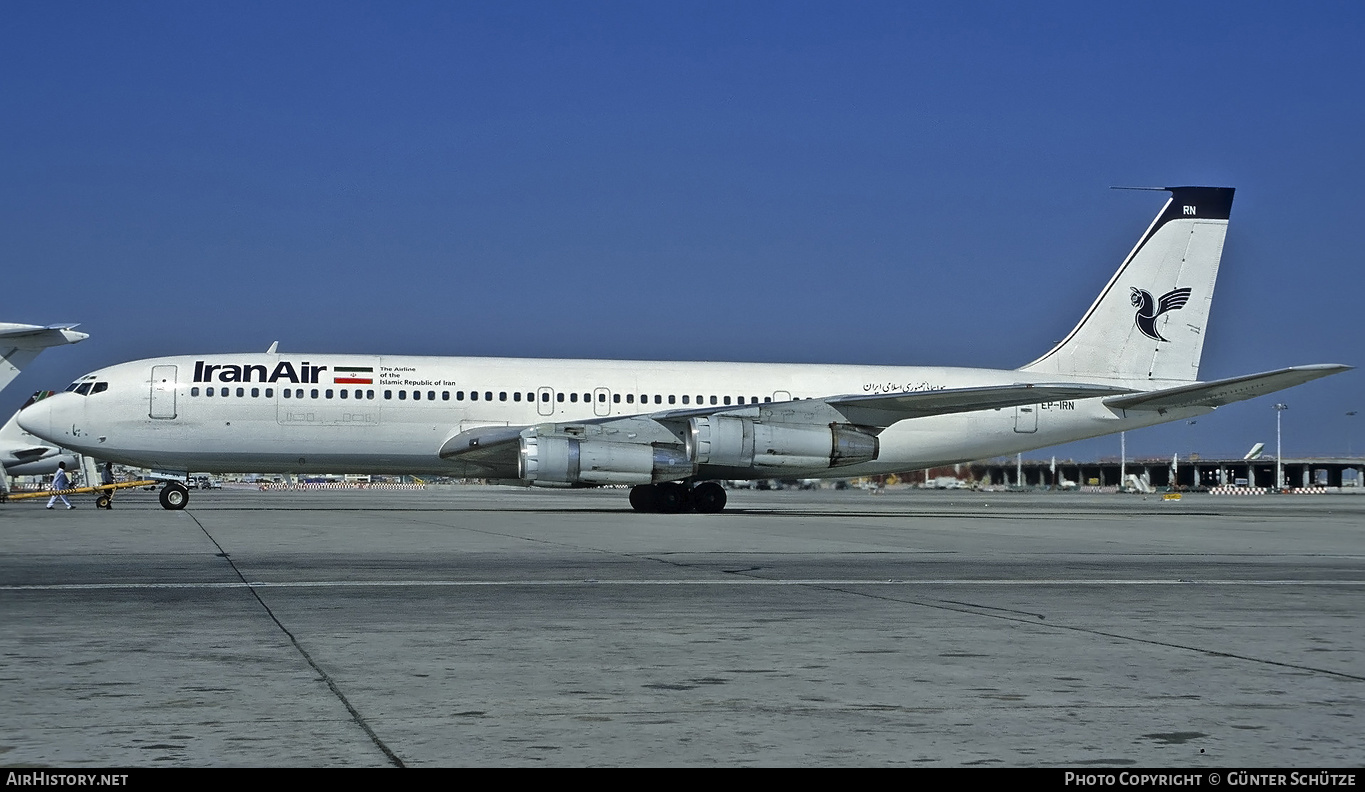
x=1224, y=391
x=495, y=447
x=878, y=411
x=882, y=410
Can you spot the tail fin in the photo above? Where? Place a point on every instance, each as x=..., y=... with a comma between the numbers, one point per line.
x=1149, y=321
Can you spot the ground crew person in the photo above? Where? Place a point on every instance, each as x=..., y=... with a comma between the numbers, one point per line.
x=60, y=482
x=106, y=479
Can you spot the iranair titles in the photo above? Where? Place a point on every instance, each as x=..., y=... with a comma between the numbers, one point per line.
x=284, y=371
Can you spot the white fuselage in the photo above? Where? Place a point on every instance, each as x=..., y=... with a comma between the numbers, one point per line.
x=389, y=414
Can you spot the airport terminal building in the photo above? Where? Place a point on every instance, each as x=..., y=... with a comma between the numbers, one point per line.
x=1189, y=473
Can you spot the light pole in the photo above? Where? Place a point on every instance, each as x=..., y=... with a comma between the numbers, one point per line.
x=1123, y=461
x=1279, y=457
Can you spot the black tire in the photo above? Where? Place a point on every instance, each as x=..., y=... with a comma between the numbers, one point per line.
x=672, y=497
x=708, y=498
x=103, y=502
x=174, y=496
x=644, y=498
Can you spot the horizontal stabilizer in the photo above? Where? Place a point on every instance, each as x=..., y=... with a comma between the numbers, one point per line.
x=27, y=336
x=34, y=451
x=1225, y=391
x=21, y=343
x=885, y=409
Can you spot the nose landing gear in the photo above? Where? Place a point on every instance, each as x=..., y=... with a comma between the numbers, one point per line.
x=674, y=497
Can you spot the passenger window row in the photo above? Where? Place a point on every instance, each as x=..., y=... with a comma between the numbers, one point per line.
x=255, y=392
x=417, y=395
x=289, y=393
x=687, y=399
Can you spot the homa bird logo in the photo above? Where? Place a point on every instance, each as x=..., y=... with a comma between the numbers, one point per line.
x=1148, y=309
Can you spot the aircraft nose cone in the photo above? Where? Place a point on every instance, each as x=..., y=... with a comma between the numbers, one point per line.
x=36, y=419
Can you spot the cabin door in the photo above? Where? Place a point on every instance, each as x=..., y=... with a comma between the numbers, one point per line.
x=163, y=392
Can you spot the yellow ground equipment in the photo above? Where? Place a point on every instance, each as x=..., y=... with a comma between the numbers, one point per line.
x=104, y=501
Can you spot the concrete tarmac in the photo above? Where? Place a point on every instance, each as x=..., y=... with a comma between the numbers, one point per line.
x=485, y=626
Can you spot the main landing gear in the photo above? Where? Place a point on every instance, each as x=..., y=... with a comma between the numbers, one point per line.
x=174, y=495
x=674, y=497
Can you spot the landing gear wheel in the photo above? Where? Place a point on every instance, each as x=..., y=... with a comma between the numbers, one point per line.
x=708, y=497
x=644, y=498
x=104, y=502
x=174, y=496
x=672, y=498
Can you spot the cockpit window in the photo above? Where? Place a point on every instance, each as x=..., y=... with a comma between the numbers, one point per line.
x=100, y=387
x=82, y=385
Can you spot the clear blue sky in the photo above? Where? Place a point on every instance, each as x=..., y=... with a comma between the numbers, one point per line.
x=892, y=183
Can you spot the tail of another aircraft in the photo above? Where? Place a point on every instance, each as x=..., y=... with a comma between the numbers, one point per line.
x=21, y=343
x=22, y=454
x=1149, y=321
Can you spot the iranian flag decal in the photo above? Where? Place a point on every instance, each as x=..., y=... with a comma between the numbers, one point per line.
x=353, y=375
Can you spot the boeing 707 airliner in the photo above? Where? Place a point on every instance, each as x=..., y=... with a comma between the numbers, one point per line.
x=672, y=429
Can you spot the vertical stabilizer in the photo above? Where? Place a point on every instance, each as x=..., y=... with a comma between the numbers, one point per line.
x=1149, y=321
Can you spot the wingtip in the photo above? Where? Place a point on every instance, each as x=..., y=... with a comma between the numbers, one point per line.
x=1331, y=368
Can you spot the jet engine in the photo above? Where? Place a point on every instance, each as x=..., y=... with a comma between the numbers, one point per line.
x=550, y=461
x=729, y=441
